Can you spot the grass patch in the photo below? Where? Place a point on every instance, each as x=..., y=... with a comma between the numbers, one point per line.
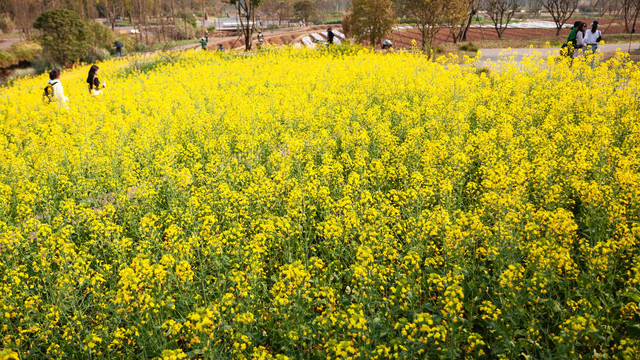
x=468, y=47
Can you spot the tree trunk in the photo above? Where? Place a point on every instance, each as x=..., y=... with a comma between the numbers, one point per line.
x=463, y=33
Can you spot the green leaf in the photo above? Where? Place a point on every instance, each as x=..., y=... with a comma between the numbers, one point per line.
x=633, y=330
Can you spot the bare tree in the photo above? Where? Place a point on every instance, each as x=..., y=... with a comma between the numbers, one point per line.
x=630, y=10
x=24, y=14
x=560, y=10
x=457, y=13
x=472, y=10
x=501, y=12
x=534, y=7
x=279, y=9
x=247, y=16
x=431, y=16
x=111, y=8
x=608, y=7
x=305, y=9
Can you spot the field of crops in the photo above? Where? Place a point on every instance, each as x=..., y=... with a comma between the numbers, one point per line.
x=311, y=204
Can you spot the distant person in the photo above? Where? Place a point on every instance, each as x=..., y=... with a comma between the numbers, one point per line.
x=220, y=47
x=580, y=44
x=570, y=45
x=206, y=36
x=387, y=44
x=203, y=44
x=95, y=86
x=593, y=37
x=54, y=91
x=330, y=36
x=260, y=39
x=119, y=45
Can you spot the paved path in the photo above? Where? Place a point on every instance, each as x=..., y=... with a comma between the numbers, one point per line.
x=495, y=54
x=5, y=44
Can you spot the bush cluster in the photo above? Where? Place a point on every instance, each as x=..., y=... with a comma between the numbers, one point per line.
x=66, y=38
x=183, y=30
x=6, y=24
x=22, y=51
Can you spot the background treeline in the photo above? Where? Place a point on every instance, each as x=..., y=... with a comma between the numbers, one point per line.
x=66, y=31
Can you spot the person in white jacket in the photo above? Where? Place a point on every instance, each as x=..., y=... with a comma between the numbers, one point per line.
x=58, y=91
x=580, y=44
x=592, y=37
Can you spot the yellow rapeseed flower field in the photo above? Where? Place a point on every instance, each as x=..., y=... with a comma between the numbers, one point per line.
x=338, y=204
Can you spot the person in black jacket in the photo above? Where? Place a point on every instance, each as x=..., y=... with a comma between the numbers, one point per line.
x=330, y=36
x=95, y=86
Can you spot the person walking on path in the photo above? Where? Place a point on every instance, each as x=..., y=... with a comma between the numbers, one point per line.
x=580, y=44
x=260, y=39
x=593, y=37
x=54, y=90
x=119, y=47
x=95, y=86
x=330, y=36
x=203, y=43
x=206, y=35
x=570, y=45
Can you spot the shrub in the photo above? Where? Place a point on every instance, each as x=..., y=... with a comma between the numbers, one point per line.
x=6, y=59
x=6, y=24
x=102, y=36
x=65, y=37
x=22, y=51
x=97, y=54
x=26, y=50
x=182, y=30
x=188, y=18
x=103, y=54
x=43, y=65
x=20, y=73
x=192, y=22
x=468, y=47
x=140, y=47
x=211, y=28
x=586, y=8
x=128, y=42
